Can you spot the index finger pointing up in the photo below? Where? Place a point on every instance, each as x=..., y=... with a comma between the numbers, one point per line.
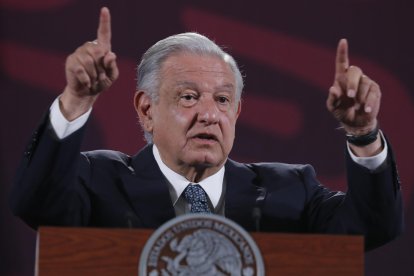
x=104, y=29
x=342, y=60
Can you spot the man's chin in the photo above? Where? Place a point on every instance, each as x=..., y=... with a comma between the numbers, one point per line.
x=206, y=161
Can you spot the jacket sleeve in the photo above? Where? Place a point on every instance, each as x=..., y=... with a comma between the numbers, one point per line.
x=49, y=188
x=371, y=207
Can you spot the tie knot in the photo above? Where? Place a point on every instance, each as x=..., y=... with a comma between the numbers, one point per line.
x=197, y=197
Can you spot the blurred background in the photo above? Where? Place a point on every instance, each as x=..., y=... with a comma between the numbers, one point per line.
x=286, y=50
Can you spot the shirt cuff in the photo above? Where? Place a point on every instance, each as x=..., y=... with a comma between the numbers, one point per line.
x=62, y=127
x=373, y=162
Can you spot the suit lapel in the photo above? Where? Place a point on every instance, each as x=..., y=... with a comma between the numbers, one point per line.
x=241, y=194
x=147, y=190
x=148, y=193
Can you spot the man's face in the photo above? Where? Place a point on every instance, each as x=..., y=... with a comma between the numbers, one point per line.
x=193, y=121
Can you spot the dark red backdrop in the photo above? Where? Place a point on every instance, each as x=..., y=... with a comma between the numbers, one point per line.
x=285, y=49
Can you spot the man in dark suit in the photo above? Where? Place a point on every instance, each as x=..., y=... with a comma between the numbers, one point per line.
x=188, y=102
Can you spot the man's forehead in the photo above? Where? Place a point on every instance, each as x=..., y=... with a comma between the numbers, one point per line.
x=187, y=61
x=184, y=67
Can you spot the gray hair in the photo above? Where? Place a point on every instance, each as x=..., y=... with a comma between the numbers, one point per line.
x=148, y=70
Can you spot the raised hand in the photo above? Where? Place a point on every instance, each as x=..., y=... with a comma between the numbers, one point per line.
x=354, y=99
x=90, y=70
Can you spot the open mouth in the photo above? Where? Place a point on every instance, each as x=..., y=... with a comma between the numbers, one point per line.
x=206, y=137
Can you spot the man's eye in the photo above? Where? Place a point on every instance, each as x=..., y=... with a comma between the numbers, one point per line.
x=223, y=100
x=188, y=97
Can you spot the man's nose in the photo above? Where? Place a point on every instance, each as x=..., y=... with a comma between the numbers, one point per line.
x=208, y=112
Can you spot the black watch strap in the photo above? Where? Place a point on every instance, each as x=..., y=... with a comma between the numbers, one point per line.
x=363, y=140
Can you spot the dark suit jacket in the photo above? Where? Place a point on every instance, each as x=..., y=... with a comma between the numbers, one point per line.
x=56, y=185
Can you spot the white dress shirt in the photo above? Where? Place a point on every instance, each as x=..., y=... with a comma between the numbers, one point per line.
x=212, y=185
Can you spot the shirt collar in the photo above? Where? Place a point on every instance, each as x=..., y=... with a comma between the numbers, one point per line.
x=212, y=185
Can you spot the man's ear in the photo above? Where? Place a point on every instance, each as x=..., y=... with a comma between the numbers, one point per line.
x=143, y=107
x=238, y=108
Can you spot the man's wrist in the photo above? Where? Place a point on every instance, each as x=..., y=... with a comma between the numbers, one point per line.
x=61, y=125
x=364, y=139
x=73, y=106
x=375, y=159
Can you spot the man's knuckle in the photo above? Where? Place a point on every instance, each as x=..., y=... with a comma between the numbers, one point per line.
x=78, y=69
x=353, y=70
x=96, y=52
x=89, y=62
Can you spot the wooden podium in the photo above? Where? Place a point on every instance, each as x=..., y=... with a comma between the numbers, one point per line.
x=91, y=251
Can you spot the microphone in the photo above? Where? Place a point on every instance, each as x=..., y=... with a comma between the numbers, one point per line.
x=130, y=217
x=257, y=210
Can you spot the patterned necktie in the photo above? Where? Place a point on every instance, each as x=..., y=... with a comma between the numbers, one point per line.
x=197, y=197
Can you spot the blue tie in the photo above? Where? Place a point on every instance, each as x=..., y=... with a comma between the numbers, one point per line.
x=197, y=197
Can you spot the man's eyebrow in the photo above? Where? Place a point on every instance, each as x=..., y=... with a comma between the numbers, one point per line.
x=226, y=86
x=193, y=85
